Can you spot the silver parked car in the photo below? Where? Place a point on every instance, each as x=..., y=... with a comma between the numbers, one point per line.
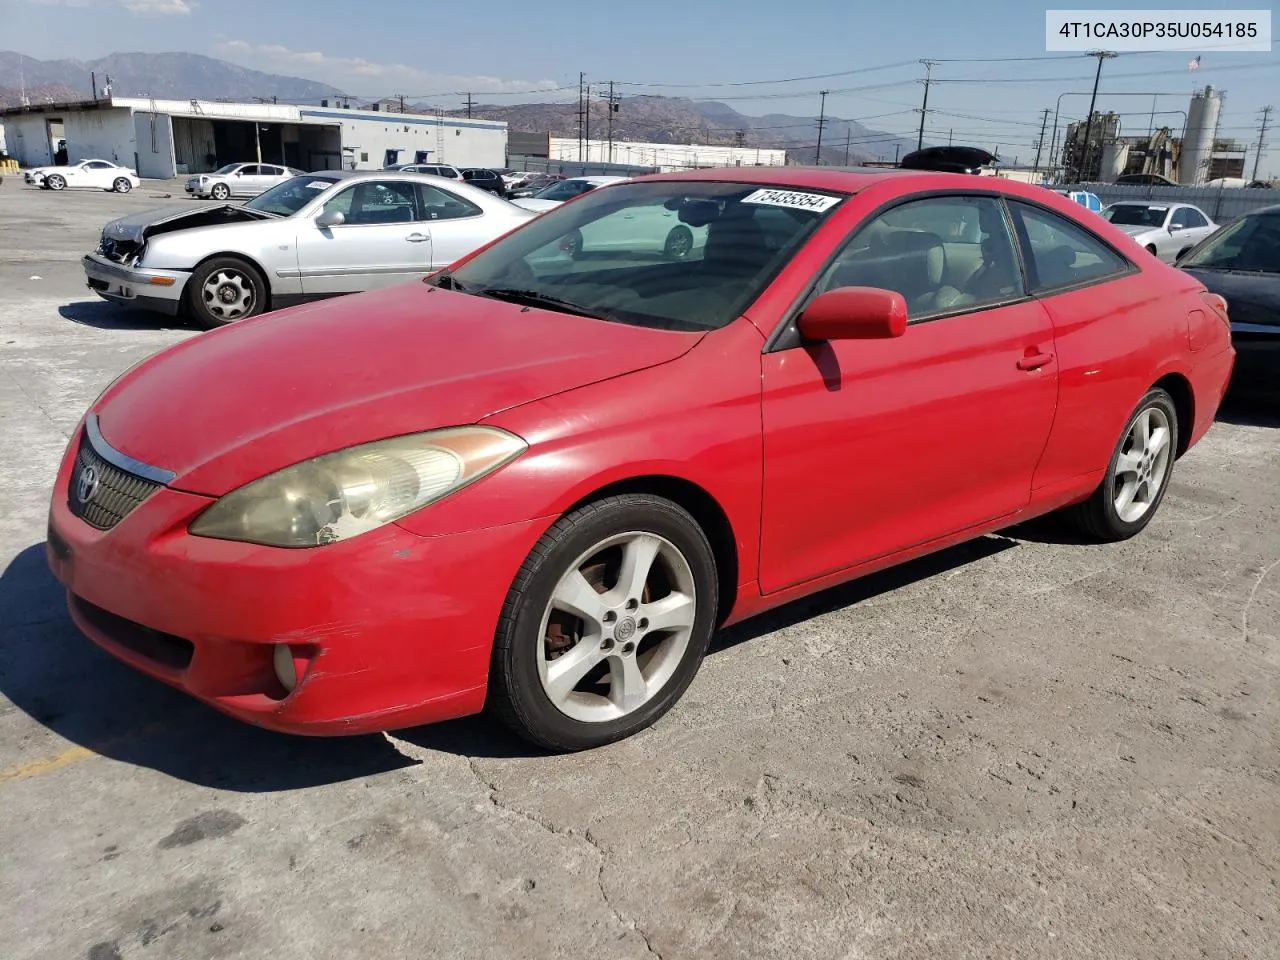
x=1167, y=230
x=239, y=180
x=318, y=235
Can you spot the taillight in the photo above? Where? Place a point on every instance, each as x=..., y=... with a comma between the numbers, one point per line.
x=1218, y=304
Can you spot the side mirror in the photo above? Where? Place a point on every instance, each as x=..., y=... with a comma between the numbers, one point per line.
x=330, y=218
x=855, y=313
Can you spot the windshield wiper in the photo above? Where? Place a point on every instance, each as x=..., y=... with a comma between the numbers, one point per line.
x=532, y=298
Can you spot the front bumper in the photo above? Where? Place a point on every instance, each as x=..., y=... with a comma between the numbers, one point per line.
x=387, y=630
x=159, y=290
x=36, y=178
x=196, y=189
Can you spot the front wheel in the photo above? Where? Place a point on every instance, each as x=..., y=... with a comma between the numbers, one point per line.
x=224, y=290
x=605, y=625
x=1137, y=476
x=55, y=182
x=122, y=185
x=220, y=191
x=679, y=243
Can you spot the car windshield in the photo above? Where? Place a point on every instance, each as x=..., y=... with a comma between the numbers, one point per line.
x=563, y=190
x=229, y=168
x=286, y=199
x=1251, y=244
x=666, y=254
x=1136, y=215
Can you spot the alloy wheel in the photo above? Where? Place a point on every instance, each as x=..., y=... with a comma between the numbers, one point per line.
x=1143, y=465
x=228, y=294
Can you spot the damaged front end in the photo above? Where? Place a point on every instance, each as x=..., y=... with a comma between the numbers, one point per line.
x=124, y=238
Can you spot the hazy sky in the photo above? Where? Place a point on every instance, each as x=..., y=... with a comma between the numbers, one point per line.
x=712, y=49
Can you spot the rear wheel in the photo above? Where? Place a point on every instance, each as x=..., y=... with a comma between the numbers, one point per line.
x=224, y=290
x=679, y=243
x=220, y=191
x=55, y=181
x=1137, y=476
x=122, y=185
x=605, y=625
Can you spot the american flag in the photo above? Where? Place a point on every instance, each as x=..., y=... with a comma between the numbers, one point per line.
x=1194, y=64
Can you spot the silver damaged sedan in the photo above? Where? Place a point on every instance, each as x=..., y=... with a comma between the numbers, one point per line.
x=318, y=235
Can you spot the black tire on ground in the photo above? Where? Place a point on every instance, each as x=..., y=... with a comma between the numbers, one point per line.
x=55, y=181
x=516, y=695
x=200, y=308
x=1097, y=517
x=122, y=185
x=220, y=191
x=679, y=243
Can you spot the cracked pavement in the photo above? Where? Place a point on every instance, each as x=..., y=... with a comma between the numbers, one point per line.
x=1019, y=748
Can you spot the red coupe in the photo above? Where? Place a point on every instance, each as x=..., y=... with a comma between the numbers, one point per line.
x=539, y=481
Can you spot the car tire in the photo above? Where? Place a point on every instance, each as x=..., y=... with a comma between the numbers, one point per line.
x=679, y=243
x=571, y=243
x=122, y=185
x=220, y=191
x=55, y=182
x=1144, y=463
x=650, y=667
x=224, y=290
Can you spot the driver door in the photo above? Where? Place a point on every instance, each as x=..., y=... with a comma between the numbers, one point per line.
x=385, y=239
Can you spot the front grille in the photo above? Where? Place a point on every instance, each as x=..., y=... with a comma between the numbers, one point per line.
x=101, y=494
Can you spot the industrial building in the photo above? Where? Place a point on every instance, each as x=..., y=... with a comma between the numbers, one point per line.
x=1190, y=157
x=163, y=139
x=665, y=157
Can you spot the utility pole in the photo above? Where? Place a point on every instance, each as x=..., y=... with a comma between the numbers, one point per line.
x=613, y=108
x=581, y=77
x=1088, y=124
x=1262, y=143
x=822, y=122
x=924, y=107
x=401, y=103
x=950, y=135
x=1044, y=125
x=470, y=104
x=93, y=81
x=896, y=148
x=586, y=124
x=848, y=135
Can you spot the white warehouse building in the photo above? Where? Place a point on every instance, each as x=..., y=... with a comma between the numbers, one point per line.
x=668, y=157
x=163, y=139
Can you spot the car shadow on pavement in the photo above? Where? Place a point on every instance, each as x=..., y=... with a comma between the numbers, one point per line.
x=50, y=671
x=1251, y=402
x=111, y=316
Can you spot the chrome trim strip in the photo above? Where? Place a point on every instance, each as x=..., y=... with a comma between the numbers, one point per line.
x=122, y=460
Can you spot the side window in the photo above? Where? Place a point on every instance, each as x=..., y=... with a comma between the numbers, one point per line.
x=1061, y=254
x=1196, y=219
x=250, y=171
x=272, y=172
x=943, y=254
x=381, y=202
x=341, y=202
x=97, y=165
x=1181, y=218
x=437, y=204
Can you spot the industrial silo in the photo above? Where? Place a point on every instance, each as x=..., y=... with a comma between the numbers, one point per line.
x=1115, y=157
x=1197, y=148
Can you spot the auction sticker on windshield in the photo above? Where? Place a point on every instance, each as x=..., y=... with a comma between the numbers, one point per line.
x=817, y=202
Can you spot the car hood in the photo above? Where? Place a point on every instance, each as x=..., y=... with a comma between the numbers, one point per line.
x=1251, y=297
x=136, y=227
x=234, y=404
x=1135, y=230
x=532, y=203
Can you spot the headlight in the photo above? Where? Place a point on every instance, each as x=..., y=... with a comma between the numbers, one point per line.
x=342, y=495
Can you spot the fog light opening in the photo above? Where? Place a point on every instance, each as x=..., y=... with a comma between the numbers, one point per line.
x=290, y=665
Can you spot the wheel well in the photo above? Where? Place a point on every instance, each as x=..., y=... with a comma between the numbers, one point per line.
x=705, y=511
x=238, y=256
x=1179, y=388
x=1151, y=248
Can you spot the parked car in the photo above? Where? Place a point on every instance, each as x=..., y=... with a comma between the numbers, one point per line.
x=637, y=230
x=562, y=190
x=87, y=174
x=239, y=180
x=1144, y=180
x=539, y=485
x=485, y=179
x=431, y=169
x=317, y=235
x=1167, y=230
x=531, y=188
x=1241, y=262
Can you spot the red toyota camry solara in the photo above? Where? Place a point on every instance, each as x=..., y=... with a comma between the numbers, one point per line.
x=538, y=481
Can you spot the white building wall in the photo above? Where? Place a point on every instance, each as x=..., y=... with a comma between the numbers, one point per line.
x=100, y=135
x=28, y=139
x=366, y=136
x=667, y=156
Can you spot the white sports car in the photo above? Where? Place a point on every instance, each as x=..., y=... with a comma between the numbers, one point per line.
x=87, y=174
x=318, y=235
x=239, y=180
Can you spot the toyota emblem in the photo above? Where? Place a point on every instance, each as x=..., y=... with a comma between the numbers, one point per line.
x=88, y=484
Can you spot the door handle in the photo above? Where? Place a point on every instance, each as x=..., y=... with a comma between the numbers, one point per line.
x=1034, y=361
x=417, y=237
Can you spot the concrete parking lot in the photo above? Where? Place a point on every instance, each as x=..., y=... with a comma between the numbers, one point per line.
x=1023, y=747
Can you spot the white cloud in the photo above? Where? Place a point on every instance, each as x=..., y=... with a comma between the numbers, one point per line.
x=140, y=7
x=362, y=77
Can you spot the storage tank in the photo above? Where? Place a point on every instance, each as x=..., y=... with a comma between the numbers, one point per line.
x=1197, y=149
x=1115, y=157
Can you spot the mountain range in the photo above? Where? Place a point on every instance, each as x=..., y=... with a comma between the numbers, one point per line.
x=654, y=119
